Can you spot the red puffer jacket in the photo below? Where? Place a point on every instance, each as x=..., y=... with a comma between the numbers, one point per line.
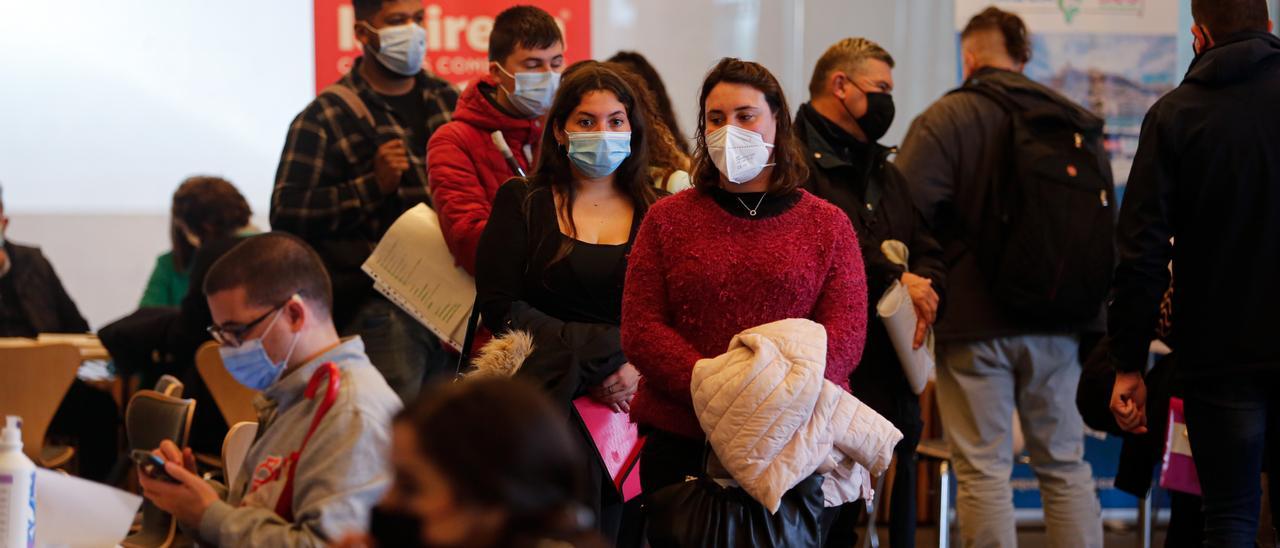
x=465, y=169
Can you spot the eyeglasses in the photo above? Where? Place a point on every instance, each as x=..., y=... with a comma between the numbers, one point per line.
x=234, y=336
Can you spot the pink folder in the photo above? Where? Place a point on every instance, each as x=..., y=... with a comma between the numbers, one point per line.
x=617, y=442
x=1178, y=471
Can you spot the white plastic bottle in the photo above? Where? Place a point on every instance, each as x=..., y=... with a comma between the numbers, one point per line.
x=17, y=489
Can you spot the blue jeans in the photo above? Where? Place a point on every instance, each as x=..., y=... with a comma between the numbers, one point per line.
x=1232, y=422
x=403, y=350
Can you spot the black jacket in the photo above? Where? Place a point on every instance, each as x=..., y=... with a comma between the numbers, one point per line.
x=39, y=294
x=952, y=156
x=1207, y=171
x=520, y=285
x=859, y=179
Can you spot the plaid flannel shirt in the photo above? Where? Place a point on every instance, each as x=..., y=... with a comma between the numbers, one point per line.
x=325, y=185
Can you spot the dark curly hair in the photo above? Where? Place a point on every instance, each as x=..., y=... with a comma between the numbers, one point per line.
x=211, y=208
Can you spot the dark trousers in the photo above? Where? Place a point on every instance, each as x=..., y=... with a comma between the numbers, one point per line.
x=1186, y=522
x=1232, y=422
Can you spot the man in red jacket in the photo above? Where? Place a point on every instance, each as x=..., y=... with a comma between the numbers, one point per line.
x=464, y=165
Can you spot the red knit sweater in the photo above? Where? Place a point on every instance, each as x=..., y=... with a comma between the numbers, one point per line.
x=697, y=276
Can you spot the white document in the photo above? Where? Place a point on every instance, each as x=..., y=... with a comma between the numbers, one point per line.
x=77, y=513
x=899, y=317
x=413, y=267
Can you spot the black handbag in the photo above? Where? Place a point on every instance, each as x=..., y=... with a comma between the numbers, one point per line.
x=702, y=513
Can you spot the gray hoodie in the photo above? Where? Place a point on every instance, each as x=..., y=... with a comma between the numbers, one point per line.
x=341, y=474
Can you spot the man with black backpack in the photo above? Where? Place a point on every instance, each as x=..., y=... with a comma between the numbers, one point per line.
x=1016, y=185
x=354, y=160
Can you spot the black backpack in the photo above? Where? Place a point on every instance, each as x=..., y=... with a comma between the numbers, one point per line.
x=1048, y=247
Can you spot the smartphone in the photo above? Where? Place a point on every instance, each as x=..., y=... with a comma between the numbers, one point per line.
x=152, y=465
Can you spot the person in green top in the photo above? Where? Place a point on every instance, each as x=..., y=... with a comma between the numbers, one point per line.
x=204, y=208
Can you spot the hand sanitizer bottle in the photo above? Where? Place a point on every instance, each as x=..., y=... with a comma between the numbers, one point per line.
x=17, y=489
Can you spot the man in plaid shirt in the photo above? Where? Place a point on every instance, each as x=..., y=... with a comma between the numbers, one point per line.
x=351, y=166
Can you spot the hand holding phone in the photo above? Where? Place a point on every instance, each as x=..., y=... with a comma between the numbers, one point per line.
x=152, y=465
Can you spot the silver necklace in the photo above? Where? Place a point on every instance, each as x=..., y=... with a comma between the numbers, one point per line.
x=751, y=211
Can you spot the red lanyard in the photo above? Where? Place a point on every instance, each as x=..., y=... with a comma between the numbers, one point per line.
x=284, y=505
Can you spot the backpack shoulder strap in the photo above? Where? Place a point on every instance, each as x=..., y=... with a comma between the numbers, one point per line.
x=353, y=101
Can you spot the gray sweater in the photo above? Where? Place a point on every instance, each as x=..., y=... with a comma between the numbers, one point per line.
x=341, y=474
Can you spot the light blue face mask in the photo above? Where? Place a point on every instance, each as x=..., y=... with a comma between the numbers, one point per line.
x=402, y=48
x=598, y=153
x=249, y=363
x=534, y=91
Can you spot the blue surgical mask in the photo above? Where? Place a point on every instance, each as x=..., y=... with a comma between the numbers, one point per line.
x=249, y=363
x=402, y=48
x=598, y=153
x=534, y=91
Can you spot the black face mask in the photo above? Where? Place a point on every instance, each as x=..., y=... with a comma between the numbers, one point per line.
x=880, y=111
x=392, y=528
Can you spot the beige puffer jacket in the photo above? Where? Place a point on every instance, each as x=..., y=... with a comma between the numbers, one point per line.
x=773, y=420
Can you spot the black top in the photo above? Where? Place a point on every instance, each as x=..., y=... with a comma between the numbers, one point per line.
x=952, y=157
x=411, y=112
x=13, y=320
x=571, y=306
x=765, y=206
x=1207, y=172
x=32, y=298
x=516, y=261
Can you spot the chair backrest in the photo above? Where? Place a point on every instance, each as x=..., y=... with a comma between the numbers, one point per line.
x=170, y=386
x=150, y=418
x=234, y=400
x=234, y=449
x=35, y=379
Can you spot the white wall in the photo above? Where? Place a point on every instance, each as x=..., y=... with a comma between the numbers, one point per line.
x=108, y=105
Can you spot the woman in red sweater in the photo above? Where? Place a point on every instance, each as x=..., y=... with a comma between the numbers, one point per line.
x=747, y=248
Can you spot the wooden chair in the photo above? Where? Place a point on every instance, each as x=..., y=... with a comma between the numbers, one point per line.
x=36, y=379
x=234, y=449
x=151, y=418
x=234, y=400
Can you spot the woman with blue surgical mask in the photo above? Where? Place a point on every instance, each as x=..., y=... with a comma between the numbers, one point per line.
x=552, y=258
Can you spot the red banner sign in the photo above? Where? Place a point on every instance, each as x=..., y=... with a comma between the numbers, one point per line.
x=457, y=35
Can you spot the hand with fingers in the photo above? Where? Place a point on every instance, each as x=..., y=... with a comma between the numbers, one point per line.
x=618, y=389
x=186, y=500
x=390, y=164
x=925, y=300
x=1129, y=402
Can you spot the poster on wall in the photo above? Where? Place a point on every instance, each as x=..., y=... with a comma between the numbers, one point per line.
x=457, y=36
x=1115, y=57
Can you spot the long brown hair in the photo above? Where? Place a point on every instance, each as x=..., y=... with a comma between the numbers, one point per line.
x=653, y=81
x=790, y=170
x=666, y=156
x=553, y=174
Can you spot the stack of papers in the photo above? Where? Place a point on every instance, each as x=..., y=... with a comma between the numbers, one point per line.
x=412, y=267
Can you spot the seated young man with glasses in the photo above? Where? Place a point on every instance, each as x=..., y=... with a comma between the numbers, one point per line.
x=319, y=461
